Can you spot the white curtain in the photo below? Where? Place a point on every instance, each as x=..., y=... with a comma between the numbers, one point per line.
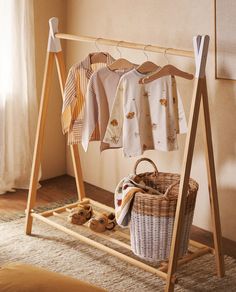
x=18, y=102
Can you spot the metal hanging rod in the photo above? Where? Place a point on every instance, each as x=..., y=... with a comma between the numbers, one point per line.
x=125, y=44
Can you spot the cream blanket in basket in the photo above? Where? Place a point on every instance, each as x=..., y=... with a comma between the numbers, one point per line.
x=124, y=194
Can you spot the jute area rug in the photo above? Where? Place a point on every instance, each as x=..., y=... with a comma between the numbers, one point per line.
x=56, y=251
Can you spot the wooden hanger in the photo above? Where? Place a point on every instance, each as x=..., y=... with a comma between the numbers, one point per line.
x=120, y=64
x=99, y=57
x=147, y=66
x=164, y=71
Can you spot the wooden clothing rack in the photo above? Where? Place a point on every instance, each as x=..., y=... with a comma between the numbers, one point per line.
x=166, y=271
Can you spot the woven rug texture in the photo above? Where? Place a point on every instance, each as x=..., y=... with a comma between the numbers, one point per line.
x=56, y=251
x=13, y=215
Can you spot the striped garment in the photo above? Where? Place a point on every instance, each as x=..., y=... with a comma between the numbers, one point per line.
x=124, y=195
x=74, y=98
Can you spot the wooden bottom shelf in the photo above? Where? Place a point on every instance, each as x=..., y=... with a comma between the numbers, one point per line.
x=161, y=271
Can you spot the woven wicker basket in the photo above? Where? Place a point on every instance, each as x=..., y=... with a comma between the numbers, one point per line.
x=152, y=216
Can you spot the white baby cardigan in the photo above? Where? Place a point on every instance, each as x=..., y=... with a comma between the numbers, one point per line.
x=146, y=116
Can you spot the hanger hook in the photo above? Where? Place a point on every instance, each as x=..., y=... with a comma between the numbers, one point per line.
x=165, y=52
x=96, y=44
x=117, y=47
x=145, y=54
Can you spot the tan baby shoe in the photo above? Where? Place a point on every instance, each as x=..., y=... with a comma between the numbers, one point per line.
x=80, y=214
x=102, y=222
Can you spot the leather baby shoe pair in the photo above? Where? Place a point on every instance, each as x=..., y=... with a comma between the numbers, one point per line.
x=102, y=222
x=99, y=223
x=80, y=214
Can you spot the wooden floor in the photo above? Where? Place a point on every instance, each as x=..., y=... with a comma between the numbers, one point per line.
x=64, y=187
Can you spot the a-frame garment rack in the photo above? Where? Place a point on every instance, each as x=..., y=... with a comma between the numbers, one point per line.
x=166, y=271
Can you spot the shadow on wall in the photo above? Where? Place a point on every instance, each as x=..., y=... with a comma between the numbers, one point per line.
x=224, y=120
x=227, y=198
x=223, y=108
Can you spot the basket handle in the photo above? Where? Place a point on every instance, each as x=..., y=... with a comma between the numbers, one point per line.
x=170, y=187
x=144, y=159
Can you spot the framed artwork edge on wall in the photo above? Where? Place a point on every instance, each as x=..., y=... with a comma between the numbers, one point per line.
x=222, y=57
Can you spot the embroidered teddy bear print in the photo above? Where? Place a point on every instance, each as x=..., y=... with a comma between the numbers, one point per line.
x=163, y=101
x=130, y=115
x=171, y=139
x=114, y=123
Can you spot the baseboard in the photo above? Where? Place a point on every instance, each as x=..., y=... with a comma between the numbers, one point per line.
x=206, y=237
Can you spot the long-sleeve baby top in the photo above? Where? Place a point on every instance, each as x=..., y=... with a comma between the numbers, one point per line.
x=146, y=116
x=74, y=96
x=99, y=99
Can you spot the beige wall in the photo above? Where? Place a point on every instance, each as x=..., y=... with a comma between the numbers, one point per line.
x=171, y=24
x=54, y=157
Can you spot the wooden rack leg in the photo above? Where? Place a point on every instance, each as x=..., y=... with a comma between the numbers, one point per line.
x=185, y=174
x=200, y=44
x=215, y=215
x=39, y=140
x=74, y=148
x=78, y=171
